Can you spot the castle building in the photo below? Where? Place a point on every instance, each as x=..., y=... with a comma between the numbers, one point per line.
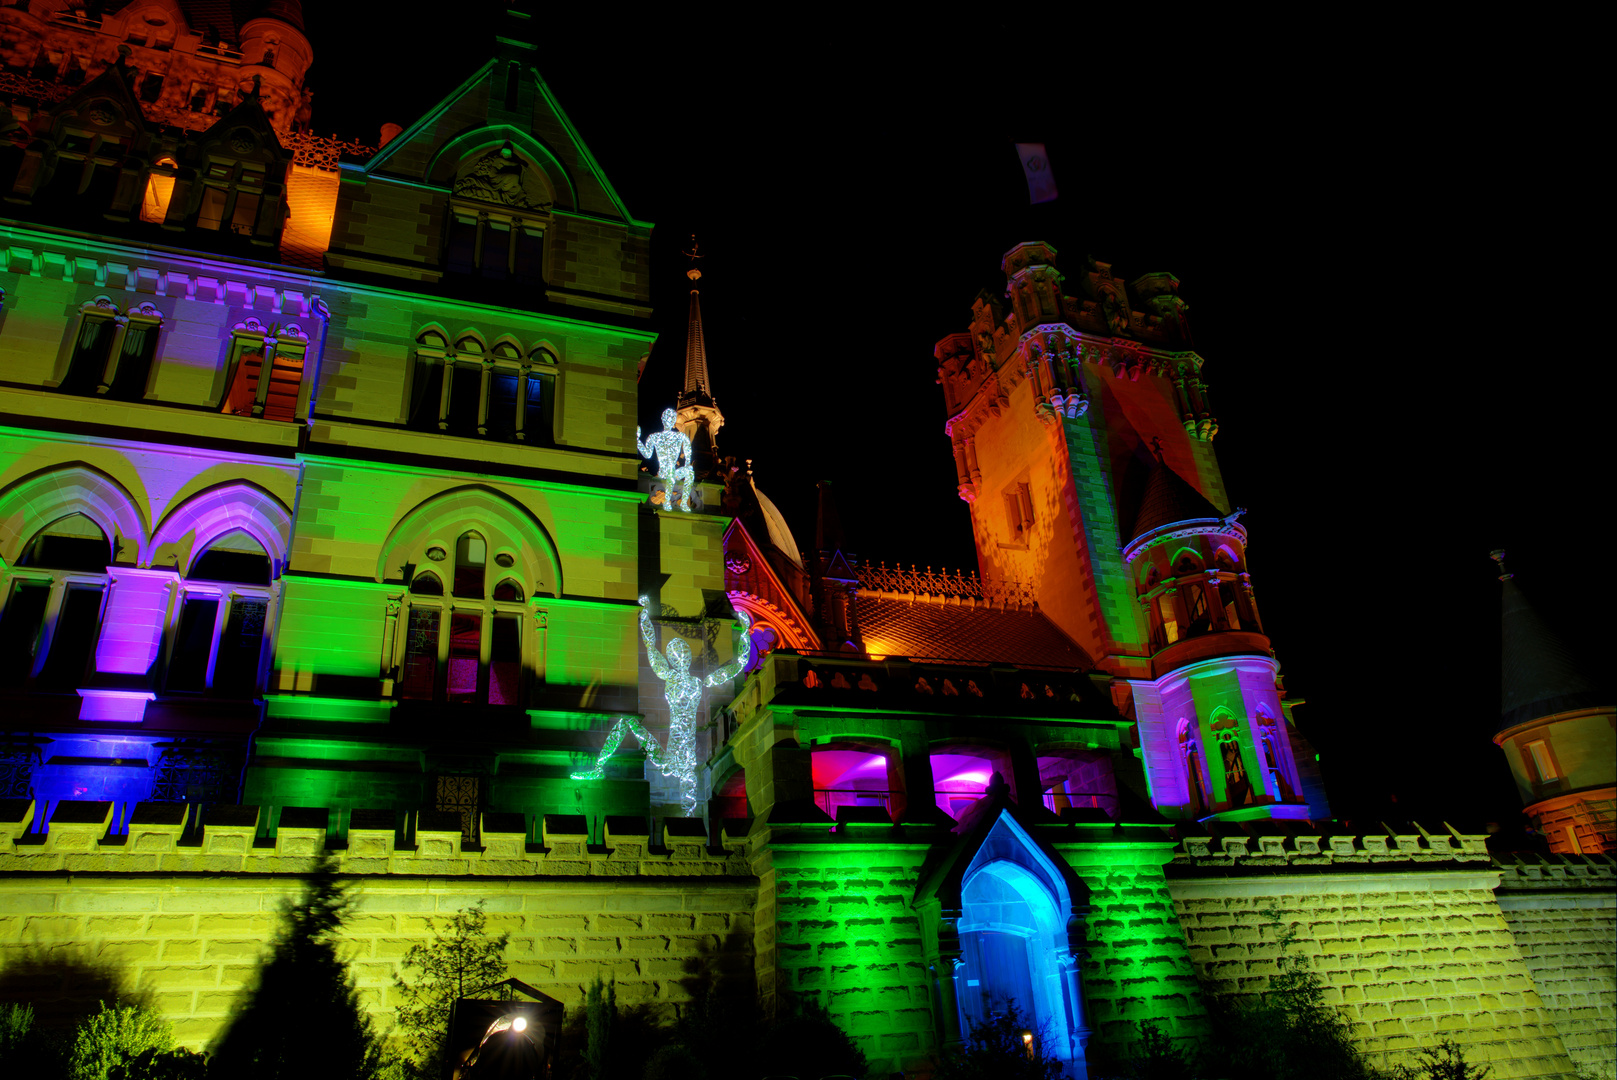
x=1559, y=737
x=323, y=530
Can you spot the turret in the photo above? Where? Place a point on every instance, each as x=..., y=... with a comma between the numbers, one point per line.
x=1556, y=732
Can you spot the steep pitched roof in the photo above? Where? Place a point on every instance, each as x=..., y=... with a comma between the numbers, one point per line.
x=1169, y=498
x=1537, y=674
x=926, y=630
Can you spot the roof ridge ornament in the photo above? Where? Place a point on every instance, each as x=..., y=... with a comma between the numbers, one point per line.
x=1498, y=556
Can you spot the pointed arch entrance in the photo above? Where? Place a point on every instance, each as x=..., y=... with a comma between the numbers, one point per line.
x=1008, y=914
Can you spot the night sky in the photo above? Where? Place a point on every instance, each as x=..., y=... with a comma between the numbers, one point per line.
x=1379, y=283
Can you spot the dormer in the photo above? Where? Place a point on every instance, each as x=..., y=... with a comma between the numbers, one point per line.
x=231, y=181
x=85, y=159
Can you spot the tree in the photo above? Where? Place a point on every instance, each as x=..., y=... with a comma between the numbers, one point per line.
x=304, y=1020
x=461, y=960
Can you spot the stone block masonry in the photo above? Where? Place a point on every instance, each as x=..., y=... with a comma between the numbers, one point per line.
x=1412, y=943
x=845, y=934
x=189, y=924
x=1563, y=914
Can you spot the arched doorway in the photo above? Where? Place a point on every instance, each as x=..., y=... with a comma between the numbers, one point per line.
x=1015, y=944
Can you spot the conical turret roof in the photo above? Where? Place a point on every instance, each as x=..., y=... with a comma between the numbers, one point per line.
x=1169, y=498
x=1537, y=673
x=696, y=391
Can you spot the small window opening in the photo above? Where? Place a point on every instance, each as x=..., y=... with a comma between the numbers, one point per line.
x=960, y=775
x=71, y=543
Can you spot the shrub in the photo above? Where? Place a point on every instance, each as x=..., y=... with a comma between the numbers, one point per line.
x=112, y=1036
x=1447, y=1062
x=177, y=1064
x=996, y=1050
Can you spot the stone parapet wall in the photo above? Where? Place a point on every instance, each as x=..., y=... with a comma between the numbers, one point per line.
x=1562, y=913
x=1404, y=931
x=190, y=924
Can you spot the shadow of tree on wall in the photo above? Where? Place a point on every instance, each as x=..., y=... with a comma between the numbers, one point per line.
x=64, y=984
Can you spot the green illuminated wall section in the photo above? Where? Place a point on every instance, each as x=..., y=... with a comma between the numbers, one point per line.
x=846, y=935
x=1137, y=965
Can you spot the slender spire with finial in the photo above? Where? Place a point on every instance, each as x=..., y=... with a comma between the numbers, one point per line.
x=697, y=391
x=1539, y=675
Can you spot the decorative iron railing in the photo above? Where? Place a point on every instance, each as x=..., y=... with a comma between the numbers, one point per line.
x=323, y=152
x=931, y=582
x=828, y=799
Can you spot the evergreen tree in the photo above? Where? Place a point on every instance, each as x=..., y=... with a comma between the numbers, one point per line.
x=304, y=1019
x=461, y=961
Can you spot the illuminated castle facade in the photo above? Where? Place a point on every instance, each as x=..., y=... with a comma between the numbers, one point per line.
x=322, y=529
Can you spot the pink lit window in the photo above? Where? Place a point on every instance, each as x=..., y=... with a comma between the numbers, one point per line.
x=960, y=775
x=847, y=774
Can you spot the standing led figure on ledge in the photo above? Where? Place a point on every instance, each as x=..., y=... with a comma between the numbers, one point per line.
x=673, y=453
x=684, y=695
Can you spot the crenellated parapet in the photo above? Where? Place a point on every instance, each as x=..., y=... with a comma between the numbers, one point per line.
x=1275, y=847
x=167, y=838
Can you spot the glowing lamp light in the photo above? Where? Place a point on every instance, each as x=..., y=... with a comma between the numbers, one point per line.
x=520, y=1024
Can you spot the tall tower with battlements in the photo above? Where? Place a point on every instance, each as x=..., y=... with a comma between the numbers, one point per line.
x=1083, y=442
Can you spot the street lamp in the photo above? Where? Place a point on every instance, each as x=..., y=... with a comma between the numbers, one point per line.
x=515, y=1023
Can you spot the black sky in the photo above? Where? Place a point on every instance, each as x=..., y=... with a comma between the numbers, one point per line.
x=1382, y=272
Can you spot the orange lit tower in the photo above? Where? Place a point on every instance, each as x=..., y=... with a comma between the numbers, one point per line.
x=1083, y=442
x=1557, y=736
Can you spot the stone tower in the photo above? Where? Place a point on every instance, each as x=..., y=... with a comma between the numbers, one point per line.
x=1082, y=438
x=1556, y=733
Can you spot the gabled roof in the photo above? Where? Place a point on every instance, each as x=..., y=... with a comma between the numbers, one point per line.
x=1168, y=499
x=760, y=579
x=1537, y=673
x=930, y=630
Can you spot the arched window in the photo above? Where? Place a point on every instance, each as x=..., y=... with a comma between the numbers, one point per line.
x=1226, y=734
x=1077, y=778
x=160, y=186
x=218, y=640
x=465, y=648
x=857, y=772
x=479, y=393
x=52, y=614
x=961, y=772
x=1196, y=777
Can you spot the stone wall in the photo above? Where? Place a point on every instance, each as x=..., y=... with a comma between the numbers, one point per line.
x=189, y=922
x=1563, y=915
x=844, y=933
x=1407, y=936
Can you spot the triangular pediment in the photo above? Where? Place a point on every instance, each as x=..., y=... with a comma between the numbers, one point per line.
x=245, y=132
x=505, y=105
x=988, y=831
x=104, y=103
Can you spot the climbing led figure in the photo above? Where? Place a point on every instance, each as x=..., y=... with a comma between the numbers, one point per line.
x=672, y=449
x=684, y=694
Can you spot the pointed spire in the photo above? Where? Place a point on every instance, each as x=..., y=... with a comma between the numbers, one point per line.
x=1538, y=675
x=697, y=391
x=1169, y=498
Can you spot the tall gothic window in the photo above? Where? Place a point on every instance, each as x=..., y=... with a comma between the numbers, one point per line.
x=52, y=613
x=1190, y=754
x=218, y=636
x=479, y=393
x=463, y=644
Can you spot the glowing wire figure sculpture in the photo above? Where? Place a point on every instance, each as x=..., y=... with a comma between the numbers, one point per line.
x=671, y=448
x=684, y=695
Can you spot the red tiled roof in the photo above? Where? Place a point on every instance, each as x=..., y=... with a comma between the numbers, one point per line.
x=923, y=630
